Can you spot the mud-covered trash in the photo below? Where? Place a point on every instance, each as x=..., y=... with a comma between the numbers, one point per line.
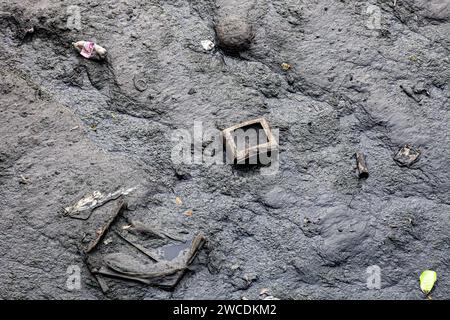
x=427, y=280
x=140, y=82
x=407, y=156
x=234, y=34
x=410, y=93
x=264, y=294
x=101, y=232
x=83, y=208
x=246, y=142
x=165, y=273
x=208, y=45
x=90, y=50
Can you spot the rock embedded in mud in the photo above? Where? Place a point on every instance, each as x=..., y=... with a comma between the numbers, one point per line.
x=407, y=156
x=363, y=171
x=234, y=34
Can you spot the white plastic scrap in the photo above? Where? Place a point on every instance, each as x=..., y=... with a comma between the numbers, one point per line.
x=94, y=200
x=207, y=45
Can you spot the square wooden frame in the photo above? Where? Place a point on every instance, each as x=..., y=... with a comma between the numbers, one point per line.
x=241, y=156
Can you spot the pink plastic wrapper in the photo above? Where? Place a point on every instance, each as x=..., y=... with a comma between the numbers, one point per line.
x=88, y=49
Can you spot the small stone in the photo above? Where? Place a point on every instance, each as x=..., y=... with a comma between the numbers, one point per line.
x=407, y=156
x=234, y=34
x=139, y=82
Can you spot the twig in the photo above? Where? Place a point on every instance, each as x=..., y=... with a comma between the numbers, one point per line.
x=121, y=205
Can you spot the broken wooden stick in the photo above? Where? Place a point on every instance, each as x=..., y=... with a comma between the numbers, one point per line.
x=121, y=205
x=363, y=171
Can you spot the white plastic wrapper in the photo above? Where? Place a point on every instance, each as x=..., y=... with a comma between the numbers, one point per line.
x=207, y=45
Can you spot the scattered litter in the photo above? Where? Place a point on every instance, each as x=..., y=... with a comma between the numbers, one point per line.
x=407, y=156
x=91, y=201
x=188, y=213
x=270, y=298
x=100, y=233
x=363, y=171
x=413, y=58
x=264, y=291
x=239, y=150
x=90, y=50
x=167, y=266
x=171, y=251
x=285, y=66
x=427, y=280
x=151, y=231
x=207, y=45
x=139, y=82
x=178, y=201
x=164, y=274
x=265, y=295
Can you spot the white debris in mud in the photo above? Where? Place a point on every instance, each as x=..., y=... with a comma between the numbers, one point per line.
x=207, y=45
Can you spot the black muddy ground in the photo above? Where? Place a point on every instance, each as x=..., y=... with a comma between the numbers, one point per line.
x=71, y=126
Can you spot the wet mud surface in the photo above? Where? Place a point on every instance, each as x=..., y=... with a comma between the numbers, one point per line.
x=70, y=126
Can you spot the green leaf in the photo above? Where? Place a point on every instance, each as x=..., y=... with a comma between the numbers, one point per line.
x=427, y=280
